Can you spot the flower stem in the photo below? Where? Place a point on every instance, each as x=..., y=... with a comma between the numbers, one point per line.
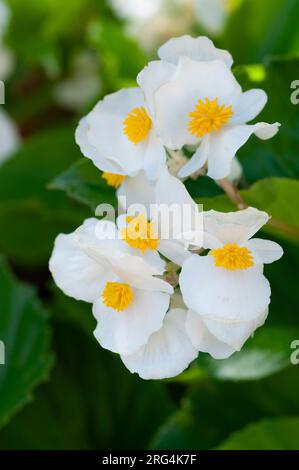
x=232, y=192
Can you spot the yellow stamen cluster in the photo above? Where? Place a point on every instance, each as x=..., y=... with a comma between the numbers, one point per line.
x=232, y=256
x=208, y=116
x=113, y=179
x=137, y=125
x=140, y=234
x=117, y=296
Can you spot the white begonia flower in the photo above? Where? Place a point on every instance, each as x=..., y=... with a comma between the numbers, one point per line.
x=168, y=351
x=129, y=301
x=213, y=14
x=227, y=289
x=119, y=135
x=161, y=217
x=201, y=102
x=9, y=137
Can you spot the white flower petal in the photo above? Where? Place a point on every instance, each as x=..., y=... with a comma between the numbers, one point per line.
x=225, y=143
x=197, y=160
x=177, y=98
x=248, y=105
x=136, y=190
x=168, y=351
x=203, y=340
x=266, y=250
x=74, y=272
x=235, y=333
x=151, y=78
x=174, y=251
x=201, y=49
x=222, y=294
x=170, y=190
x=106, y=130
x=91, y=152
x=234, y=227
x=266, y=131
x=178, y=216
x=125, y=332
x=154, y=157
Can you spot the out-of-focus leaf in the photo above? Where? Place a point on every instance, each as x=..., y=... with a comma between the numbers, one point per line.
x=122, y=58
x=25, y=334
x=269, y=434
x=277, y=196
x=277, y=156
x=267, y=27
x=268, y=352
x=83, y=182
x=92, y=397
x=68, y=310
x=30, y=215
x=212, y=410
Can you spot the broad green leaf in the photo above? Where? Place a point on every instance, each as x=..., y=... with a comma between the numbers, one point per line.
x=212, y=410
x=269, y=434
x=30, y=215
x=25, y=334
x=277, y=196
x=264, y=354
x=92, y=402
x=83, y=182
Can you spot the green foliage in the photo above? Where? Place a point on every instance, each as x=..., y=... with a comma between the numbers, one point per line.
x=277, y=196
x=91, y=397
x=30, y=215
x=25, y=334
x=270, y=434
x=277, y=156
x=212, y=410
x=83, y=182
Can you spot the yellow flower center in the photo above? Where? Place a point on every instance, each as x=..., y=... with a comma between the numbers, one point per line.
x=137, y=125
x=113, y=179
x=117, y=296
x=140, y=234
x=232, y=256
x=208, y=116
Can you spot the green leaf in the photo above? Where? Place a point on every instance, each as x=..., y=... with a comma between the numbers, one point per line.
x=264, y=354
x=270, y=434
x=30, y=215
x=25, y=334
x=122, y=57
x=212, y=410
x=92, y=402
x=83, y=182
x=277, y=156
x=277, y=196
x=267, y=27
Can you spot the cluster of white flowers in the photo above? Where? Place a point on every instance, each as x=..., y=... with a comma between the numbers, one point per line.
x=155, y=21
x=160, y=300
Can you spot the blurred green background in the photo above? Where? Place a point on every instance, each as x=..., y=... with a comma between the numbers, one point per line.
x=58, y=388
